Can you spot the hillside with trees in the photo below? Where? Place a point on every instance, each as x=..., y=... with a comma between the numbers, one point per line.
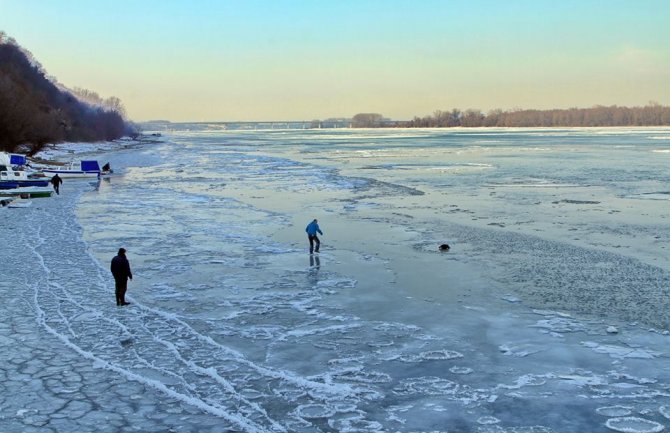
x=35, y=110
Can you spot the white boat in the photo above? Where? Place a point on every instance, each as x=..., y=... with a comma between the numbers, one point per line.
x=20, y=178
x=83, y=169
x=13, y=173
x=27, y=192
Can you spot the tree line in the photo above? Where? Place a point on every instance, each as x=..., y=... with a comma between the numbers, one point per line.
x=653, y=114
x=36, y=110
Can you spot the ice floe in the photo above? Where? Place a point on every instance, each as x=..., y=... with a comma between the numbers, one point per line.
x=461, y=370
x=615, y=411
x=519, y=350
x=442, y=387
x=621, y=352
x=634, y=425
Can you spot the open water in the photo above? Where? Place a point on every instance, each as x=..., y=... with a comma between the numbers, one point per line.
x=550, y=312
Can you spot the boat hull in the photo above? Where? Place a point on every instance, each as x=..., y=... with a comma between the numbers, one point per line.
x=72, y=174
x=42, y=183
x=29, y=191
x=8, y=185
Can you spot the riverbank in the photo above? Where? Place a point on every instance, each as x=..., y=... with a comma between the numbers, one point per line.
x=55, y=296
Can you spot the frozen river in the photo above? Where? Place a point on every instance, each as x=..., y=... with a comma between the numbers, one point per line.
x=550, y=312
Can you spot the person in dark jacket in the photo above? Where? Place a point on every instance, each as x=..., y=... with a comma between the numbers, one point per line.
x=56, y=181
x=312, y=229
x=121, y=271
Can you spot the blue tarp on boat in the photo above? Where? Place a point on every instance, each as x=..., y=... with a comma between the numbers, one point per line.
x=17, y=159
x=90, y=166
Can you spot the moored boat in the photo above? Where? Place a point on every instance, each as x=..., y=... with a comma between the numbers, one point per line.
x=12, y=173
x=27, y=192
x=19, y=178
x=84, y=169
x=12, y=159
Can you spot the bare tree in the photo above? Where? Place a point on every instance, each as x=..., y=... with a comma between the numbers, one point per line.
x=367, y=120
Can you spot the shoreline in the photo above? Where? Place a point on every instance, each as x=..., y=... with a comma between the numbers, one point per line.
x=49, y=381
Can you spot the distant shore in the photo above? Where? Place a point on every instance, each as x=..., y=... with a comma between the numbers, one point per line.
x=303, y=125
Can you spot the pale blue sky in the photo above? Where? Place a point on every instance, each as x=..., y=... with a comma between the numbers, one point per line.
x=300, y=60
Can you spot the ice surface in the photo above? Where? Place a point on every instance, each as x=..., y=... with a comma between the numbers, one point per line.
x=234, y=327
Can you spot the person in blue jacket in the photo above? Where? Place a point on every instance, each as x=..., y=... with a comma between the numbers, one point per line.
x=312, y=229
